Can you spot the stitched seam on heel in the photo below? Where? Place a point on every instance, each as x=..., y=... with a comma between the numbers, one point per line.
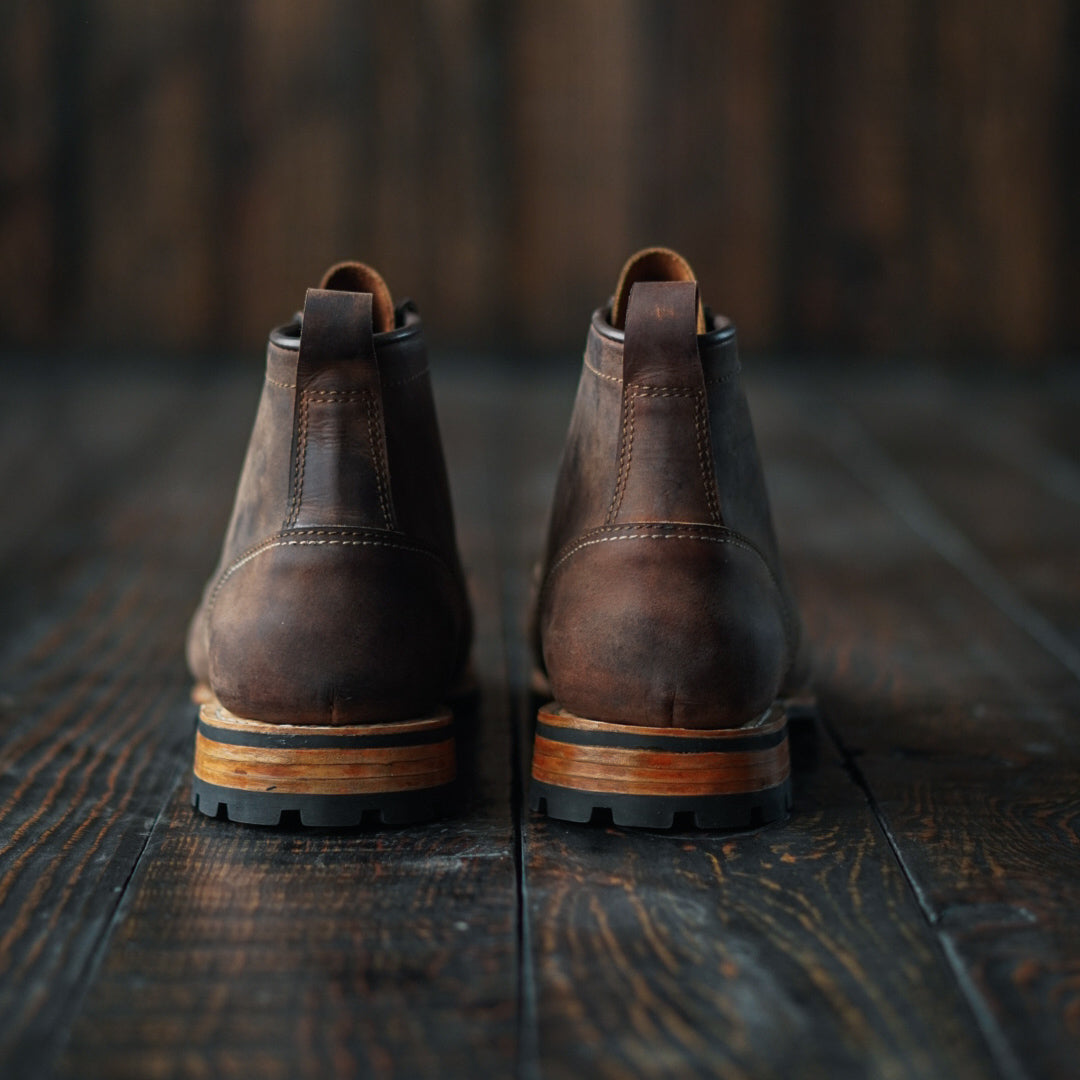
x=301, y=459
x=317, y=538
x=624, y=458
x=378, y=459
x=708, y=474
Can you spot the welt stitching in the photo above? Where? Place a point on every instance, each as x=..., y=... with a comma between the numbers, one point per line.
x=301, y=461
x=708, y=477
x=378, y=459
x=288, y=541
x=624, y=459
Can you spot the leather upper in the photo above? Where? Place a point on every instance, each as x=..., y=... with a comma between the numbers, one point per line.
x=339, y=596
x=662, y=601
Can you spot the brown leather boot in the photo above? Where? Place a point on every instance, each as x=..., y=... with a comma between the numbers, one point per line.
x=337, y=620
x=663, y=619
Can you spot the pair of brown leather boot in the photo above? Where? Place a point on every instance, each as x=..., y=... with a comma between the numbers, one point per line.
x=336, y=626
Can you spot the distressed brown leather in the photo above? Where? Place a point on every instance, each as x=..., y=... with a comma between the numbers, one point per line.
x=662, y=601
x=339, y=596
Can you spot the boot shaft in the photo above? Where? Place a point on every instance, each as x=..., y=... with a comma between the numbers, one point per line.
x=346, y=432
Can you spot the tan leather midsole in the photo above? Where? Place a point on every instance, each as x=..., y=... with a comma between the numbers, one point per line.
x=348, y=769
x=714, y=770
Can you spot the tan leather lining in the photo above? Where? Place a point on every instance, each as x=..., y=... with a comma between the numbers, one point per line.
x=359, y=277
x=651, y=264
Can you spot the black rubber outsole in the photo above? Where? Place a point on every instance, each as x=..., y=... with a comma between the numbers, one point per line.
x=663, y=812
x=321, y=811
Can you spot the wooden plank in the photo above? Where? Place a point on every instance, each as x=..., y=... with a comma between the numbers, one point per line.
x=994, y=254
x=98, y=582
x=574, y=102
x=436, y=219
x=28, y=148
x=1003, y=466
x=760, y=954
x=709, y=127
x=960, y=723
x=386, y=952
x=296, y=83
x=149, y=245
x=852, y=221
x=794, y=949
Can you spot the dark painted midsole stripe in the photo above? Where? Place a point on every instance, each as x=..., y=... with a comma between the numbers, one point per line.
x=233, y=737
x=680, y=744
x=611, y=799
x=298, y=800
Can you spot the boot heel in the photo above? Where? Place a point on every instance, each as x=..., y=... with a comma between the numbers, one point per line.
x=325, y=776
x=645, y=776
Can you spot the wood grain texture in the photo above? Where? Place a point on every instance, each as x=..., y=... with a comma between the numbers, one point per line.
x=391, y=952
x=99, y=567
x=1004, y=470
x=897, y=176
x=914, y=917
x=959, y=718
x=795, y=950
x=249, y=951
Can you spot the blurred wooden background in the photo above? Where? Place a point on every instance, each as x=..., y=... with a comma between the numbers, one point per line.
x=890, y=176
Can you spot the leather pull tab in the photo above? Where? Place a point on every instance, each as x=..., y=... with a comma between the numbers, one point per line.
x=661, y=346
x=336, y=338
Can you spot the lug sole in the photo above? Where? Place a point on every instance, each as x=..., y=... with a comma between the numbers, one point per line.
x=269, y=774
x=657, y=778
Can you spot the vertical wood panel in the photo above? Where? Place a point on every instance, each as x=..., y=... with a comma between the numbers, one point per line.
x=291, y=179
x=27, y=149
x=890, y=177
x=851, y=225
x=575, y=136
x=149, y=171
x=998, y=74
x=435, y=219
x=710, y=153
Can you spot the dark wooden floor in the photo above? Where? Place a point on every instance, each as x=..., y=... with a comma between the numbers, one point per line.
x=916, y=917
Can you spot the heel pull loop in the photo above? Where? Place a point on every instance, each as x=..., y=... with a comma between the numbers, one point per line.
x=661, y=342
x=337, y=344
x=665, y=468
x=339, y=470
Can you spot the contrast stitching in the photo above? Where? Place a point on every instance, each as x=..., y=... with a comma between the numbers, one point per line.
x=732, y=374
x=708, y=477
x=672, y=532
x=290, y=541
x=668, y=534
x=389, y=385
x=301, y=461
x=641, y=390
x=600, y=374
x=323, y=396
x=378, y=459
x=624, y=459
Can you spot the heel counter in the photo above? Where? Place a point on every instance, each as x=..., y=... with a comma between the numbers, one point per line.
x=334, y=626
x=664, y=625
